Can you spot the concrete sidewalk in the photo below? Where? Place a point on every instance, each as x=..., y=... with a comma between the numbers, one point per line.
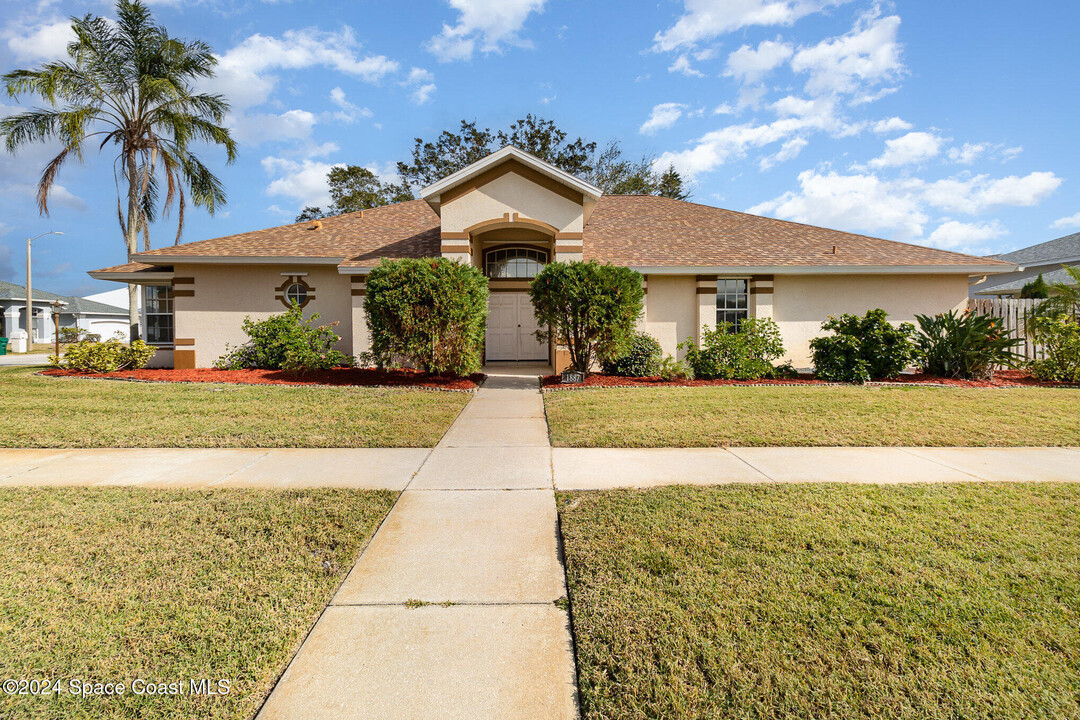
x=24, y=359
x=451, y=610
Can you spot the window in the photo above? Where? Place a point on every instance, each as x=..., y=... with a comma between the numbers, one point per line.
x=296, y=293
x=732, y=301
x=513, y=263
x=158, y=311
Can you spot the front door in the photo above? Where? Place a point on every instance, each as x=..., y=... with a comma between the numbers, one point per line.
x=511, y=329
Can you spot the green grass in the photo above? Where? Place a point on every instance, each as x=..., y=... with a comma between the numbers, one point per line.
x=37, y=411
x=921, y=601
x=117, y=584
x=786, y=416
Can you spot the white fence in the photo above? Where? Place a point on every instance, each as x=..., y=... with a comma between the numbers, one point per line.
x=1013, y=312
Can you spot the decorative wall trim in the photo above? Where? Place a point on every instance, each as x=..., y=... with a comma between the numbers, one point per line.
x=183, y=293
x=569, y=248
x=706, y=291
x=455, y=249
x=534, y=176
x=184, y=359
x=568, y=236
x=359, y=292
x=184, y=341
x=761, y=278
x=454, y=235
x=294, y=280
x=760, y=290
x=183, y=281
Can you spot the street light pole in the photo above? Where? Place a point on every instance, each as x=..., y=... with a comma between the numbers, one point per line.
x=30, y=292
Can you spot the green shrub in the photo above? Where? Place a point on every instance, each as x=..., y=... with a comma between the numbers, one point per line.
x=285, y=342
x=431, y=312
x=1059, y=336
x=862, y=348
x=964, y=345
x=672, y=369
x=641, y=360
x=104, y=357
x=588, y=308
x=1036, y=289
x=747, y=354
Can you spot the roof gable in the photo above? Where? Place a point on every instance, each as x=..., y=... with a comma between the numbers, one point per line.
x=1061, y=249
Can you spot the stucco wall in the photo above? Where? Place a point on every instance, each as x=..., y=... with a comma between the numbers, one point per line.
x=802, y=302
x=226, y=294
x=671, y=310
x=511, y=193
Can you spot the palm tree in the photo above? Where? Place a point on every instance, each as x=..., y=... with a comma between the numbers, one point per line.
x=130, y=86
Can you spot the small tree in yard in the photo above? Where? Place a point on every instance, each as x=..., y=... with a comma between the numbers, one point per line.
x=588, y=308
x=431, y=312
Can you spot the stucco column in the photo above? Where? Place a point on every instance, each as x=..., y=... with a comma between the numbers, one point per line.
x=761, y=296
x=361, y=343
x=706, y=304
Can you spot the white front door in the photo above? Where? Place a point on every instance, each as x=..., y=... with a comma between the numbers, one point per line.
x=510, y=329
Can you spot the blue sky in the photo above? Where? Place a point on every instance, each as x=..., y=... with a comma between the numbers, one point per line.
x=943, y=123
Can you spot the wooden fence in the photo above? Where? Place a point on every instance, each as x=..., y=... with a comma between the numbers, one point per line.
x=1012, y=311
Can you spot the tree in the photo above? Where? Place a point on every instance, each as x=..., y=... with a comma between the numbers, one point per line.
x=588, y=308
x=608, y=169
x=131, y=85
x=1037, y=289
x=354, y=188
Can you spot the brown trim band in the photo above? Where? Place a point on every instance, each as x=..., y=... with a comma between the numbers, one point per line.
x=359, y=292
x=183, y=281
x=183, y=293
x=706, y=291
x=569, y=236
x=184, y=341
x=569, y=248
x=358, y=279
x=761, y=290
x=454, y=236
x=707, y=278
x=498, y=289
x=761, y=278
x=455, y=249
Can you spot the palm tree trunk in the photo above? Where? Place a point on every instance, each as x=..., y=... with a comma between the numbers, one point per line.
x=131, y=239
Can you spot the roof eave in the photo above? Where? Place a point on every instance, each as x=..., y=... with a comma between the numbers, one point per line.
x=823, y=269
x=432, y=192
x=238, y=259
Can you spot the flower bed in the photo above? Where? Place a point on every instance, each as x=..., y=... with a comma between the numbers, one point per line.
x=337, y=377
x=1004, y=379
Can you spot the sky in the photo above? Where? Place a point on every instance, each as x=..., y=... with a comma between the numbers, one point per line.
x=950, y=124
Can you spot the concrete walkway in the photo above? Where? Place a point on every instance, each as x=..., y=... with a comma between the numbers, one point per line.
x=23, y=359
x=472, y=547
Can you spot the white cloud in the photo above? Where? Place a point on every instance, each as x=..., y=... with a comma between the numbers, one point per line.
x=663, y=116
x=706, y=19
x=749, y=65
x=485, y=24
x=788, y=151
x=953, y=235
x=893, y=124
x=38, y=42
x=969, y=153
x=244, y=73
x=423, y=84
x=1073, y=221
x=256, y=128
x=682, y=65
x=910, y=149
x=347, y=112
x=900, y=208
x=866, y=56
x=303, y=181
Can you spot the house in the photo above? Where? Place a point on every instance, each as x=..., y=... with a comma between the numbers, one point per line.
x=92, y=316
x=510, y=213
x=1044, y=259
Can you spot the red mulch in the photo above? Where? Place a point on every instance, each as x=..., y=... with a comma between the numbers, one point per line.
x=337, y=377
x=1005, y=378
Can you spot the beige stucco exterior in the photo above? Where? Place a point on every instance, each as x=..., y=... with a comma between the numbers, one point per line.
x=801, y=302
x=511, y=193
x=671, y=311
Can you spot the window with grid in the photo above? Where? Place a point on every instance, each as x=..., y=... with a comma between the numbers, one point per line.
x=158, y=310
x=732, y=301
x=515, y=263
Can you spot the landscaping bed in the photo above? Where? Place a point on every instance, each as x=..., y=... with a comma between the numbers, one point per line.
x=338, y=377
x=55, y=412
x=1003, y=379
x=814, y=415
x=118, y=584
x=800, y=601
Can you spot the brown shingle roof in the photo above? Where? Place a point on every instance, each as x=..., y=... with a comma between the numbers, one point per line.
x=408, y=229
x=130, y=268
x=647, y=231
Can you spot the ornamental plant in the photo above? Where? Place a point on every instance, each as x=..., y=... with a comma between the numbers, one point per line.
x=104, y=357
x=964, y=345
x=1059, y=338
x=429, y=312
x=642, y=359
x=588, y=308
x=286, y=342
x=862, y=348
x=729, y=354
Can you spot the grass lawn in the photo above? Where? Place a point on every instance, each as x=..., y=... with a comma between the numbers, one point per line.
x=109, y=585
x=745, y=416
x=920, y=601
x=38, y=411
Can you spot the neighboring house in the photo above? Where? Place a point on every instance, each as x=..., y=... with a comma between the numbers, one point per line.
x=92, y=316
x=1045, y=258
x=510, y=213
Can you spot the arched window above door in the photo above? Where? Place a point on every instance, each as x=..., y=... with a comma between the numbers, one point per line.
x=514, y=263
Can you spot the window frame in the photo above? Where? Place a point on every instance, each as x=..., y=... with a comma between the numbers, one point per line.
x=303, y=288
x=542, y=258
x=732, y=314
x=157, y=313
